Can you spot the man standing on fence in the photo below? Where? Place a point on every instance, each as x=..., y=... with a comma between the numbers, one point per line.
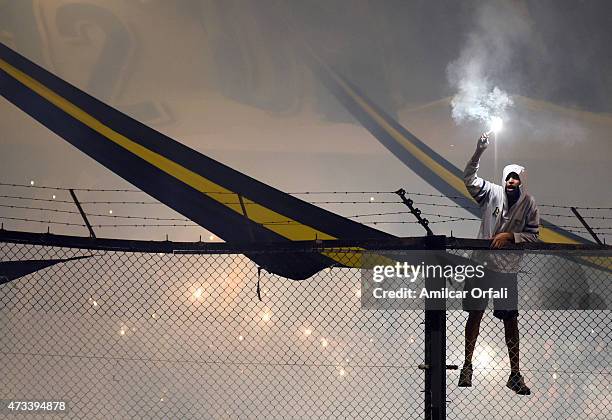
x=509, y=215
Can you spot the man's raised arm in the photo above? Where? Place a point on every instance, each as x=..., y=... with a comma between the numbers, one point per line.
x=476, y=186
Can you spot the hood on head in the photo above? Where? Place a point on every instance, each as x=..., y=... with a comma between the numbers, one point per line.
x=520, y=170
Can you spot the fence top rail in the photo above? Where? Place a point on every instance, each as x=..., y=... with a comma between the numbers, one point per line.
x=198, y=247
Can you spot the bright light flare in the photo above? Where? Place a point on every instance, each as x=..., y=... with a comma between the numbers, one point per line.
x=495, y=125
x=484, y=356
x=266, y=316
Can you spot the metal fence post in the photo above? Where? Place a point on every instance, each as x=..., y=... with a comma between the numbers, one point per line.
x=92, y=234
x=435, y=344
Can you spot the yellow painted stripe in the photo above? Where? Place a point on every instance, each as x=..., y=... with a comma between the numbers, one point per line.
x=549, y=235
x=294, y=230
x=354, y=257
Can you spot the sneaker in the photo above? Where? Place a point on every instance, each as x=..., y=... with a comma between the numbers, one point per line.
x=465, y=376
x=517, y=384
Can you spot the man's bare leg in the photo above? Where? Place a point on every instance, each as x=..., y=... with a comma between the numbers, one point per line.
x=516, y=381
x=472, y=328
x=512, y=341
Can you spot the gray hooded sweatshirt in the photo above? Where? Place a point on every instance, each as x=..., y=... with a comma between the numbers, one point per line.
x=522, y=219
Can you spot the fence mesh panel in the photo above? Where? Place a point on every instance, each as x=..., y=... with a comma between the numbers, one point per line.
x=185, y=336
x=565, y=355
x=160, y=335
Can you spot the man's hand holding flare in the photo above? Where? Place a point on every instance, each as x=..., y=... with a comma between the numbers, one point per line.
x=483, y=142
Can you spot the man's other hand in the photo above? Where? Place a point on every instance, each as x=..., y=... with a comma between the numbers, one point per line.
x=502, y=239
x=483, y=142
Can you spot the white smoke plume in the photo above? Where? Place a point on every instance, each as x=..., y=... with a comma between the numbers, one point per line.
x=485, y=62
x=477, y=101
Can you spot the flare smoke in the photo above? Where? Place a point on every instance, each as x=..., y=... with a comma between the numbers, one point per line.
x=485, y=62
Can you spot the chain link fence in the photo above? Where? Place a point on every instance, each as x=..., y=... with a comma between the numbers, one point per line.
x=565, y=353
x=123, y=334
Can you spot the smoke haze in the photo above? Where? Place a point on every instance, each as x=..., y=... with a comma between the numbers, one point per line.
x=484, y=64
x=225, y=78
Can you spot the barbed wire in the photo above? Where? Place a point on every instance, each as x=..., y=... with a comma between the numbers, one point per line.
x=421, y=194
x=223, y=192
x=454, y=218
x=247, y=203
x=23, y=219
x=49, y=200
x=271, y=223
x=551, y=226
x=314, y=202
x=468, y=218
x=571, y=216
x=187, y=223
x=42, y=187
x=18, y=197
x=375, y=222
x=187, y=220
x=51, y=222
x=181, y=219
x=576, y=207
x=573, y=229
x=413, y=193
